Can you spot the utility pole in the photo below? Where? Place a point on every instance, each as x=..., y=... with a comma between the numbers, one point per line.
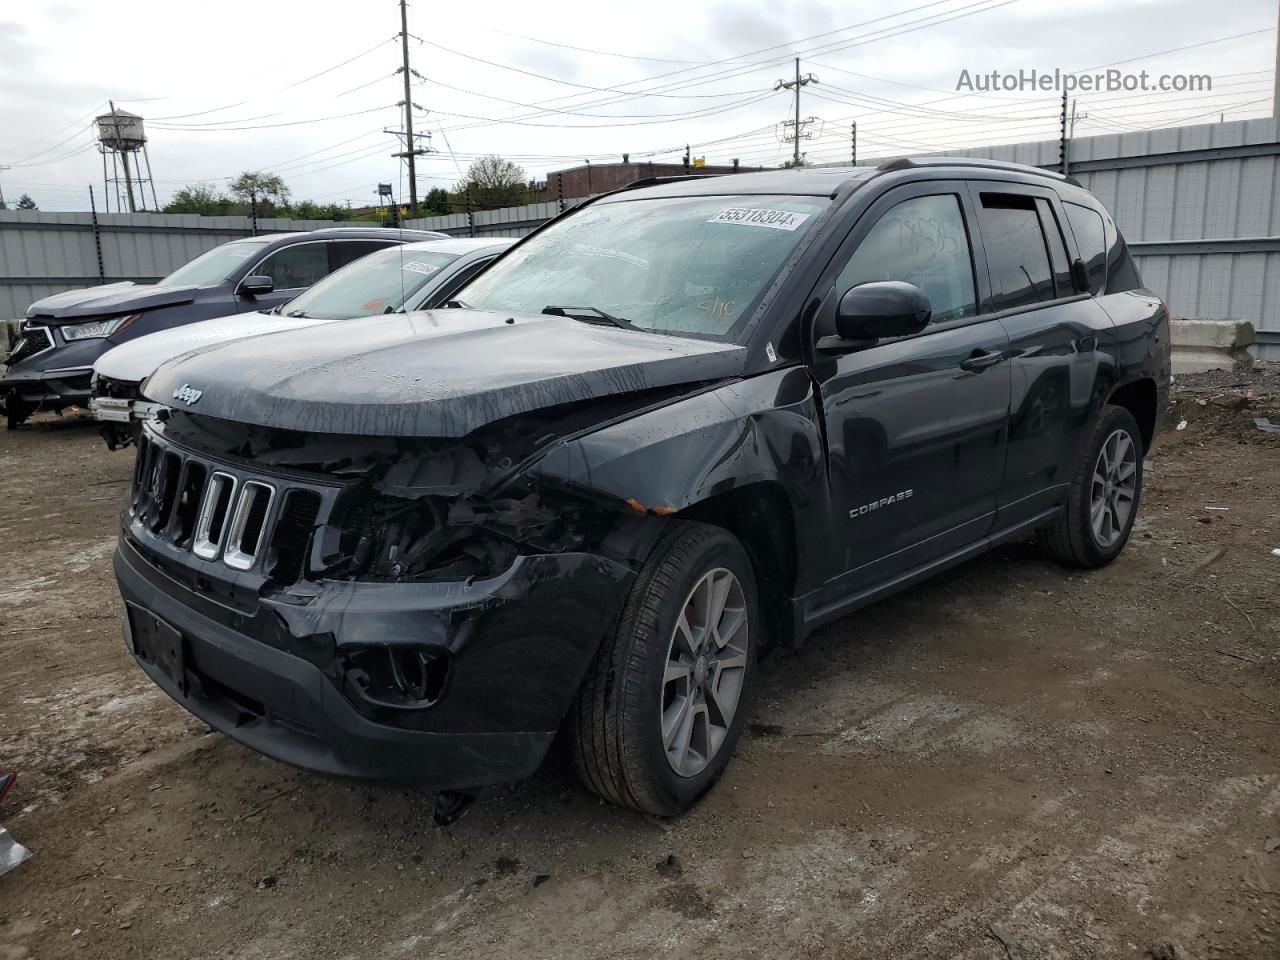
x=853, y=142
x=795, y=85
x=410, y=145
x=1068, y=133
x=1063, y=137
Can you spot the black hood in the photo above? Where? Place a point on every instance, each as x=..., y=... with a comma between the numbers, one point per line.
x=432, y=374
x=108, y=300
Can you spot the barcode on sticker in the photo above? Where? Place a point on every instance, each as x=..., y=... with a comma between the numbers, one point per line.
x=417, y=266
x=756, y=217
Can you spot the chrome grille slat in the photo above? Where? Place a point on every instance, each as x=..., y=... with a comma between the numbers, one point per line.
x=193, y=504
x=211, y=525
x=255, y=499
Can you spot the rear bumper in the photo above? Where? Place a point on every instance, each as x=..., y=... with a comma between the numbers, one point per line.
x=509, y=684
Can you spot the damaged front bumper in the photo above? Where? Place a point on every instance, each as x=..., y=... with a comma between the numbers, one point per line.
x=51, y=389
x=449, y=685
x=116, y=410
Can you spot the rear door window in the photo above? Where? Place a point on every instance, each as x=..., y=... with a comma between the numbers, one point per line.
x=1017, y=254
x=1058, y=259
x=296, y=267
x=1086, y=225
x=342, y=252
x=921, y=241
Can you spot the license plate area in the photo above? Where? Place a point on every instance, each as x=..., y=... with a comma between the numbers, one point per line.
x=158, y=643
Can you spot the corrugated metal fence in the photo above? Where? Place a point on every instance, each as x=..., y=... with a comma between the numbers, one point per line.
x=43, y=253
x=1198, y=205
x=1199, y=208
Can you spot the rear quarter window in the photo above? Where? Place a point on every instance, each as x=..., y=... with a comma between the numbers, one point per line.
x=1091, y=241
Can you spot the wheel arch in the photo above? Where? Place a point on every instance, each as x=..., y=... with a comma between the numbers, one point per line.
x=1141, y=398
x=761, y=517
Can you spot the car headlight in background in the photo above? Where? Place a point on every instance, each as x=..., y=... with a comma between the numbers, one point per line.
x=95, y=329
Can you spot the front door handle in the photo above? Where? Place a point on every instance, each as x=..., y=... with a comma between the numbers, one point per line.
x=981, y=359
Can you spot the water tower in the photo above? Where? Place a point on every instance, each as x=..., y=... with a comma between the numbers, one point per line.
x=122, y=138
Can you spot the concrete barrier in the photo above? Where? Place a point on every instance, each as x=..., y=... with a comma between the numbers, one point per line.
x=1200, y=345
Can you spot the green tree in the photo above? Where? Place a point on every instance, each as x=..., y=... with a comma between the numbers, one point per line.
x=493, y=182
x=268, y=188
x=436, y=202
x=26, y=203
x=199, y=198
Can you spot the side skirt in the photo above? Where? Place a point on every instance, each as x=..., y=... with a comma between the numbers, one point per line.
x=810, y=618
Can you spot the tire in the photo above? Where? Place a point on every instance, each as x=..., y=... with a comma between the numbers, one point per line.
x=635, y=685
x=15, y=413
x=1073, y=540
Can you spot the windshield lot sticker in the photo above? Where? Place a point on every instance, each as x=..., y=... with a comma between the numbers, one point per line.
x=417, y=266
x=755, y=217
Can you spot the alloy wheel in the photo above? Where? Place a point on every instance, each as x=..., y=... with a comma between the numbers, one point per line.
x=1114, y=489
x=705, y=671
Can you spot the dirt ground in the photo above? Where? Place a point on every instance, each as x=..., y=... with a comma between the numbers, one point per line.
x=1011, y=761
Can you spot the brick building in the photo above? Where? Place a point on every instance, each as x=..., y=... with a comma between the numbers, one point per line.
x=599, y=177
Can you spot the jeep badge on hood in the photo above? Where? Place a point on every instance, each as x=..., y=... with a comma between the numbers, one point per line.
x=187, y=394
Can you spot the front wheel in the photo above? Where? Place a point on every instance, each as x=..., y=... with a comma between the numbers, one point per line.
x=665, y=699
x=15, y=412
x=1103, y=499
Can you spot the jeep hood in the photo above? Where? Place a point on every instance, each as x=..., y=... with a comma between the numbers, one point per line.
x=137, y=359
x=440, y=373
x=108, y=300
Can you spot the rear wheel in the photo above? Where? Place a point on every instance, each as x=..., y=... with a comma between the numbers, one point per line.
x=665, y=699
x=1103, y=500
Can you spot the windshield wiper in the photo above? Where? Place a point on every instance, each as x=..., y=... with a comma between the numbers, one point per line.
x=588, y=315
x=297, y=313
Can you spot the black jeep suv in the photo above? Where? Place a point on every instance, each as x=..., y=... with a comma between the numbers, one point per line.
x=683, y=422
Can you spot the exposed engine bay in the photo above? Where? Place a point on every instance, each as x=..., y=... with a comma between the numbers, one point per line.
x=413, y=509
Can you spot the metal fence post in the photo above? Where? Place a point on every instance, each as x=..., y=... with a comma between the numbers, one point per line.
x=97, y=235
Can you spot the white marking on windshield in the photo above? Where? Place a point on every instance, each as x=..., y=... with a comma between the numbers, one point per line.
x=757, y=217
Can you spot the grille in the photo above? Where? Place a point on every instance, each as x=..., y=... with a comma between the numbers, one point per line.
x=292, y=539
x=34, y=340
x=219, y=514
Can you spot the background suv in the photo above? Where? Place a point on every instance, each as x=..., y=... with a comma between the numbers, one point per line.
x=51, y=364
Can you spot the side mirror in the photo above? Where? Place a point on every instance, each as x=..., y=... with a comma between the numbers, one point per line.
x=886, y=308
x=256, y=286
x=1080, y=275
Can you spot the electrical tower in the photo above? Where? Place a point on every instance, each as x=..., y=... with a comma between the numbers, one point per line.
x=797, y=125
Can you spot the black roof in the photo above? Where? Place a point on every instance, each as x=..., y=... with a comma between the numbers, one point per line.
x=823, y=181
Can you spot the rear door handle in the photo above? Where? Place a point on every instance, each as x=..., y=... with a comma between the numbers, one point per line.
x=981, y=359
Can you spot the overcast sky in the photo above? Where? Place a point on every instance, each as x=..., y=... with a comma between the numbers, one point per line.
x=571, y=72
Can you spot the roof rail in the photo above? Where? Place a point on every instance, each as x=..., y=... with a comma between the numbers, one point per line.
x=909, y=163
x=654, y=181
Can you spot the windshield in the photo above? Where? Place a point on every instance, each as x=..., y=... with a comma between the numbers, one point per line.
x=214, y=266
x=676, y=265
x=378, y=283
